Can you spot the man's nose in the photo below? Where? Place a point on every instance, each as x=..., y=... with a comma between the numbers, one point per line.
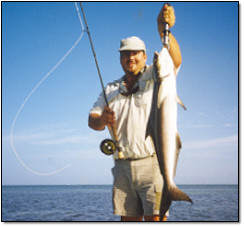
x=131, y=55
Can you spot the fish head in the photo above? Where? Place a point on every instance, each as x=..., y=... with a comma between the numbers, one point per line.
x=163, y=64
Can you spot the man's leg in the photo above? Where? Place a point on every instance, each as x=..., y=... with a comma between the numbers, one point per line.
x=126, y=202
x=146, y=218
x=124, y=218
x=154, y=218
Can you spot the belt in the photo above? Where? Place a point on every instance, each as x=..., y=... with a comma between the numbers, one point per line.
x=136, y=159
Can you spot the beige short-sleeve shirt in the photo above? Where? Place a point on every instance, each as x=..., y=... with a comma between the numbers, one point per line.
x=132, y=114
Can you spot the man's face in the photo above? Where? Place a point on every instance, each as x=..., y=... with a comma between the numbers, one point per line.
x=133, y=61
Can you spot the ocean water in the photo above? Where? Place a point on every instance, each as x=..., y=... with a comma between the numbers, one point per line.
x=90, y=203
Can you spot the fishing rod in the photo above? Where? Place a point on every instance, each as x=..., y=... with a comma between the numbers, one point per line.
x=107, y=146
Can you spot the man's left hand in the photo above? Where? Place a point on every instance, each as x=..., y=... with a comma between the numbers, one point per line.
x=166, y=15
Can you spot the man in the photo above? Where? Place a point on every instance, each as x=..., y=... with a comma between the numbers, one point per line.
x=137, y=179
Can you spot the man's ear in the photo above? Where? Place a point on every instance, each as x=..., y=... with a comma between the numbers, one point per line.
x=145, y=55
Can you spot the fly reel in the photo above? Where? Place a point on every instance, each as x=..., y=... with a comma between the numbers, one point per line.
x=108, y=146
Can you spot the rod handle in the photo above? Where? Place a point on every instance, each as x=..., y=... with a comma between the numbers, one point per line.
x=116, y=139
x=166, y=30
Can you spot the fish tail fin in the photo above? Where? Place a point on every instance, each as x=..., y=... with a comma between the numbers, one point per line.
x=169, y=195
x=177, y=195
x=165, y=203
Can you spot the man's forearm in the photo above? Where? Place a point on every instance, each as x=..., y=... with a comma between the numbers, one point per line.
x=174, y=50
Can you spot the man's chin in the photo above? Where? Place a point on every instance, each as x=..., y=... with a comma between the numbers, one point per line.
x=132, y=71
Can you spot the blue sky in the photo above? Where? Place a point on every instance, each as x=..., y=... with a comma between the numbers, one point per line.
x=51, y=132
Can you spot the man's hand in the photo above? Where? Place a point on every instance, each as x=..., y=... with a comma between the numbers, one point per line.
x=98, y=122
x=108, y=117
x=166, y=15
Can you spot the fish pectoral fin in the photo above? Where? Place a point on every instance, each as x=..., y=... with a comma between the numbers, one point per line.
x=180, y=102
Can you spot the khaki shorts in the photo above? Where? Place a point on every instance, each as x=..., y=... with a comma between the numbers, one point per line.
x=137, y=187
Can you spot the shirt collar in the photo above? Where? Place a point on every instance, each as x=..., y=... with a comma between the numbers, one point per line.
x=123, y=89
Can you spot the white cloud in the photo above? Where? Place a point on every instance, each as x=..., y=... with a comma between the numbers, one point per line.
x=55, y=136
x=228, y=125
x=212, y=143
x=72, y=139
x=202, y=126
x=202, y=114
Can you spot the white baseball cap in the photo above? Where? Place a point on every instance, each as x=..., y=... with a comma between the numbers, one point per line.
x=132, y=43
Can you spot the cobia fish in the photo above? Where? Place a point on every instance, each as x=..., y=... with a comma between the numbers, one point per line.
x=162, y=127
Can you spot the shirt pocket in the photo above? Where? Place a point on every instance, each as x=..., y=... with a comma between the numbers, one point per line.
x=144, y=96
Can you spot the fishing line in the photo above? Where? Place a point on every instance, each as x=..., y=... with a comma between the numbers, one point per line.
x=44, y=78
